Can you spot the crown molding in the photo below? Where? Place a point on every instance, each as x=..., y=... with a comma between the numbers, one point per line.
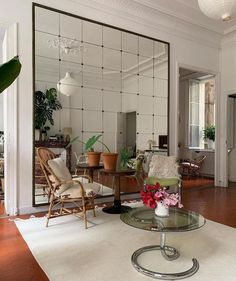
x=229, y=40
x=137, y=12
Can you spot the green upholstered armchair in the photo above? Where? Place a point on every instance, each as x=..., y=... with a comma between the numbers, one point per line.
x=165, y=171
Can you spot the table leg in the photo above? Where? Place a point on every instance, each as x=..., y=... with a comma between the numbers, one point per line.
x=91, y=173
x=117, y=208
x=169, y=253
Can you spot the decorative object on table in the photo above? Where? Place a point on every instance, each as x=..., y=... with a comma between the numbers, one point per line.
x=67, y=132
x=150, y=144
x=110, y=160
x=44, y=134
x=209, y=135
x=93, y=156
x=219, y=9
x=9, y=71
x=156, y=197
x=68, y=85
x=124, y=157
x=45, y=104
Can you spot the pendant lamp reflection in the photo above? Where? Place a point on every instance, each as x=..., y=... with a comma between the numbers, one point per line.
x=68, y=86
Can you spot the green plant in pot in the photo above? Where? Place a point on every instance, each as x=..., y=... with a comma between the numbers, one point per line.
x=109, y=159
x=124, y=157
x=93, y=156
x=209, y=134
x=45, y=104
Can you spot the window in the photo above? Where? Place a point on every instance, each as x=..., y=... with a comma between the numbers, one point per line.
x=201, y=109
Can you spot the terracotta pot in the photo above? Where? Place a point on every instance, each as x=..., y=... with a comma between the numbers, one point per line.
x=94, y=158
x=110, y=160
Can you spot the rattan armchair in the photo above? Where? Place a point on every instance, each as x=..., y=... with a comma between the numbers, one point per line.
x=192, y=167
x=61, y=192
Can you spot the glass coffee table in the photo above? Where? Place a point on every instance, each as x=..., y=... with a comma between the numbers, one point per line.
x=179, y=220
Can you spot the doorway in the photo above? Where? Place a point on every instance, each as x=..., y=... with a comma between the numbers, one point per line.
x=196, y=135
x=231, y=139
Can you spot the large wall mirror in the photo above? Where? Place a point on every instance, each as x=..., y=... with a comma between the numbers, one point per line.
x=108, y=81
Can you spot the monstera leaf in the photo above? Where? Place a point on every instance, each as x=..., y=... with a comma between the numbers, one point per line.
x=9, y=71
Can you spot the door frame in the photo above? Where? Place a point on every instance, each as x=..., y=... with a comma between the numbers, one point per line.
x=179, y=65
x=10, y=101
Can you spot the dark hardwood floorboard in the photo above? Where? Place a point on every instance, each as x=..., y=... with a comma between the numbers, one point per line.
x=17, y=262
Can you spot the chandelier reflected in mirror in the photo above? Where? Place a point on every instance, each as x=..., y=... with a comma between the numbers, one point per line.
x=67, y=46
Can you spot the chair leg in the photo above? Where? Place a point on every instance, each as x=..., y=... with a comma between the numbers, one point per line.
x=49, y=212
x=62, y=206
x=85, y=216
x=94, y=212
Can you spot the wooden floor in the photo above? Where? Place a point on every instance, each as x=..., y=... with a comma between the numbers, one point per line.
x=17, y=262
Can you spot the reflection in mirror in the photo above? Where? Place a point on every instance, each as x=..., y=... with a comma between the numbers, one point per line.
x=108, y=81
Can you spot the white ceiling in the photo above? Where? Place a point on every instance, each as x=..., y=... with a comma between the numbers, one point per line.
x=189, y=11
x=185, y=10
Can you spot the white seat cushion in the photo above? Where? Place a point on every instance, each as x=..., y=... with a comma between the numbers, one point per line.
x=74, y=191
x=58, y=167
x=187, y=164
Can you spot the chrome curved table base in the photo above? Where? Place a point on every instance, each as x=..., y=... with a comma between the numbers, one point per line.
x=169, y=253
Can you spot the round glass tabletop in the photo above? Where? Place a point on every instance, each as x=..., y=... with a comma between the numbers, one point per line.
x=177, y=221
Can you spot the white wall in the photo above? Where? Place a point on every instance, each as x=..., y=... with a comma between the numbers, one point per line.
x=189, y=45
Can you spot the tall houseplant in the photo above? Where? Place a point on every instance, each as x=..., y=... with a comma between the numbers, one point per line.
x=45, y=104
x=9, y=71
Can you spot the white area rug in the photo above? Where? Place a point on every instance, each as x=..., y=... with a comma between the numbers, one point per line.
x=68, y=252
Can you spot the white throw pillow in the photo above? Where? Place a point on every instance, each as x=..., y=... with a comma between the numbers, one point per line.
x=163, y=167
x=60, y=170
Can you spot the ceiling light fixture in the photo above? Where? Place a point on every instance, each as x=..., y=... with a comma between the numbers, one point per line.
x=66, y=45
x=217, y=9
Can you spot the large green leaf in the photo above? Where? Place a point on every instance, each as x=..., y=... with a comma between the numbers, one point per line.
x=9, y=71
x=91, y=141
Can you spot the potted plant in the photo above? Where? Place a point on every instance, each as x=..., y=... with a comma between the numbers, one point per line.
x=209, y=135
x=93, y=156
x=109, y=159
x=124, y=157
x=45, y=104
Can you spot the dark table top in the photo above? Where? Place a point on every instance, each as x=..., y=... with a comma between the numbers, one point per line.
x=118, y=172
x=86, y=166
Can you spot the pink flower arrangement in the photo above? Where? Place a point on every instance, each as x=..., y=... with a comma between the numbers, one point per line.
x=152, y=194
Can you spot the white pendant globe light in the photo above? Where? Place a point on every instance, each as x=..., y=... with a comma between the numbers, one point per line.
x=68, y=86
x=217, y=9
